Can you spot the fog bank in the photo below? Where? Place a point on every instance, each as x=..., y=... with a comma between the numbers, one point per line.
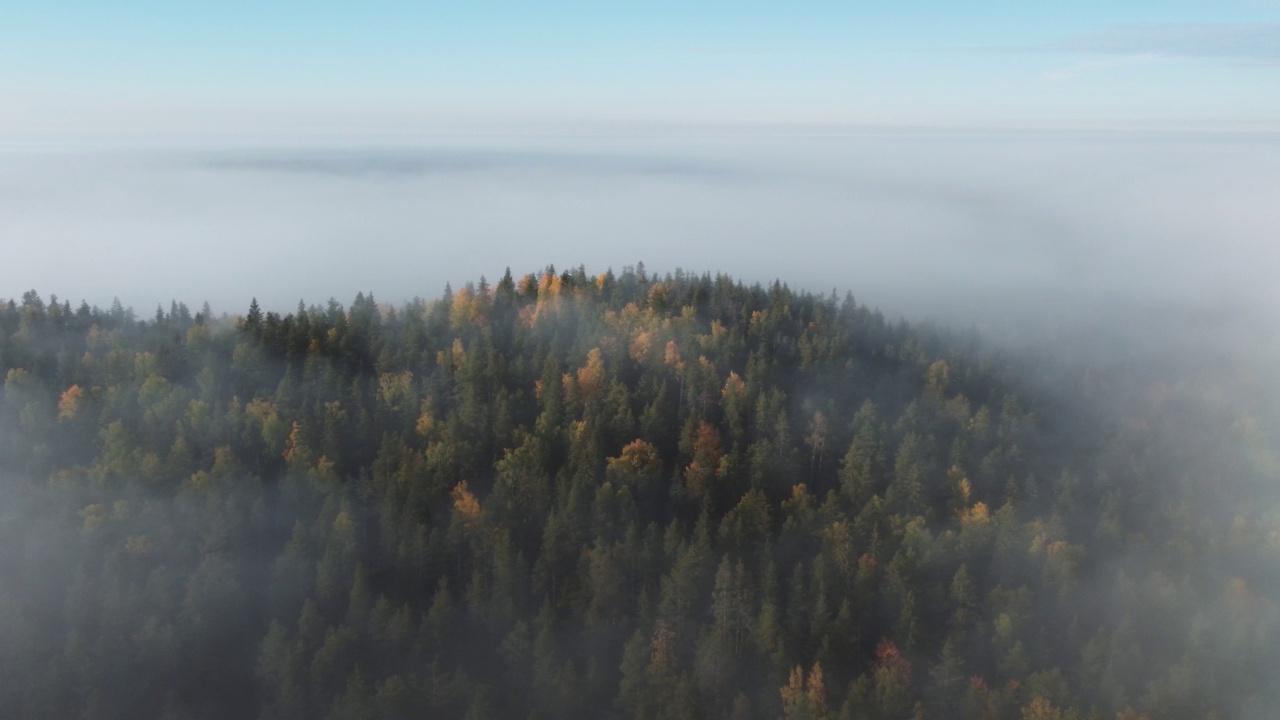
x=992, y=229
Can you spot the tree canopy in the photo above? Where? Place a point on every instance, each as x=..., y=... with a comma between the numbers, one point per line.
x=625, y=496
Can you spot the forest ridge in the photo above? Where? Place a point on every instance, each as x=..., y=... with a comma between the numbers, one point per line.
x=613, y=496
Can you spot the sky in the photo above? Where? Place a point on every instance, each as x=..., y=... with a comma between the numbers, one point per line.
x=381, y=68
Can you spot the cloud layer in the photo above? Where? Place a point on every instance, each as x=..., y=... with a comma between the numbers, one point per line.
x=987, y=228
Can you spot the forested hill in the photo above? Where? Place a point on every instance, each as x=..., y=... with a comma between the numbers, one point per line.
x=622, y=496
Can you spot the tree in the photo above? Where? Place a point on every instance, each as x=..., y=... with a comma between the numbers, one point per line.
x=862, y=471
x=1040, y=709
x=805, y=698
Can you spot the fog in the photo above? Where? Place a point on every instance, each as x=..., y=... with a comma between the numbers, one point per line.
x=993, y=229
x=1130, y=275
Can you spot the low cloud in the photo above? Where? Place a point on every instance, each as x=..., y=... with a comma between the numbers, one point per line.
x=998, y=229
x=418, y=162
x=1240, y=41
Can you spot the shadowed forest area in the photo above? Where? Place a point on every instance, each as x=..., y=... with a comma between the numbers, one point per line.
x=619, y=496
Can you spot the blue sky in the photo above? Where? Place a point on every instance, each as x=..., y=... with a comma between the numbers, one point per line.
x=303, y=68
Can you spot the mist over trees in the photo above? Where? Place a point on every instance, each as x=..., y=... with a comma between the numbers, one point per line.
x=625, y=496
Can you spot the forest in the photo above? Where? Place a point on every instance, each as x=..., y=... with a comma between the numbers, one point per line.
x=625, y=496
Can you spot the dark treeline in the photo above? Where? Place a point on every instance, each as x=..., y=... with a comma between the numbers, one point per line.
x=622, y=496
